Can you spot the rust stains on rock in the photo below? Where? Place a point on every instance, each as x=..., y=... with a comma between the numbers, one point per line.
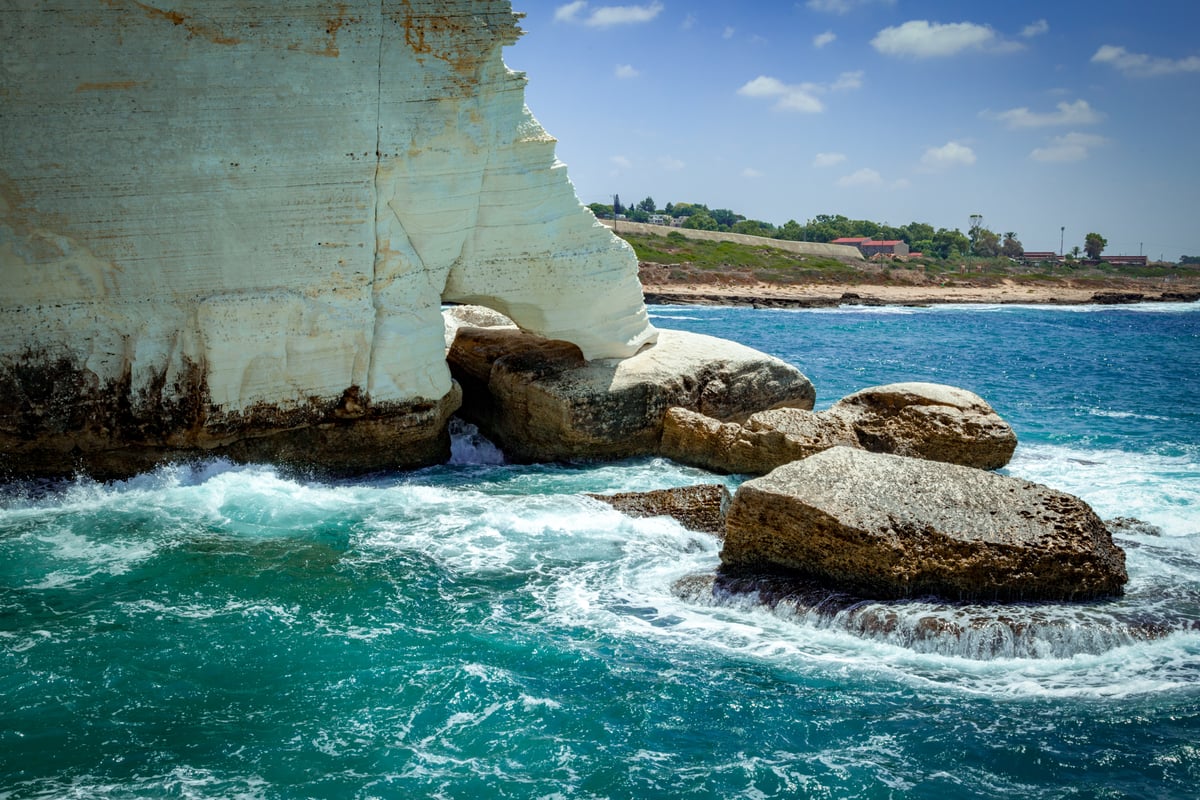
x=193, y=25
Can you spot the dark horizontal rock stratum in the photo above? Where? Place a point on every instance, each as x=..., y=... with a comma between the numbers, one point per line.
x=890, y=526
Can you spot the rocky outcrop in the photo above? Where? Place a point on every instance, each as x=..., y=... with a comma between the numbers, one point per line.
x=765, y=441
x=924, y=420
x=229, y=222
x=891, y=526
x=931, y=421
x=468, y=316
x=698, y=508
x=539, y=400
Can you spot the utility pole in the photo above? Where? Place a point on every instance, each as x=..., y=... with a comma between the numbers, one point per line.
x=1062, y=232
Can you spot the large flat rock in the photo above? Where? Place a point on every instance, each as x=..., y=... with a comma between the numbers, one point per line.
x=540, y=400
x=892, y=526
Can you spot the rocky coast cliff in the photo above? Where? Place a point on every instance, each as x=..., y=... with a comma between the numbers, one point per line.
x=229, y=228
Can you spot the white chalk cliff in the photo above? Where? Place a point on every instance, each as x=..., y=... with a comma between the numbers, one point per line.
x=231, y=217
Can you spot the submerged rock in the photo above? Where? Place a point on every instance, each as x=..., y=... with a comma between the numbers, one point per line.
x=698, y=508
x=961, y=630
x=540, y=400
x=892, y=526
x=1131, y=526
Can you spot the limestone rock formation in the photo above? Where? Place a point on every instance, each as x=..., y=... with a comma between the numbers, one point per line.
x=229, y=221
x=892, y=526
x=767, y=440
x=924, y=420
x=469, y=316
x=698, y=508
x=539, y=400
x=929, y=420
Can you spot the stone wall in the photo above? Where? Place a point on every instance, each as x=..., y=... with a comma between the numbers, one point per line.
x=803, y=248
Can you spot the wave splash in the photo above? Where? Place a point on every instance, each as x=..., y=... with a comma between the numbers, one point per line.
x=977, y=632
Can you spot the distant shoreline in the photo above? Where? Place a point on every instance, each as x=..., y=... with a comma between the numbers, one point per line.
x=764, y=295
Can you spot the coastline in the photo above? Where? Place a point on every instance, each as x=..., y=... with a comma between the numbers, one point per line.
x=766, y=295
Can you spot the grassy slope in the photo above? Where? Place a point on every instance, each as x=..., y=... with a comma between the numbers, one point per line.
x=698, y=261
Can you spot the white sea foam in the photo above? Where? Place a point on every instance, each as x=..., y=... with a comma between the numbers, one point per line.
x=1027, y=651
x=672, y=316
x=587, y=566
x=1111, y=414
x=1160, y=489
x=469, y=446
x=857, y=310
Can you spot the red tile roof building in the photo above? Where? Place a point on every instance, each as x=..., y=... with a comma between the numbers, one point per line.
x=870, y=247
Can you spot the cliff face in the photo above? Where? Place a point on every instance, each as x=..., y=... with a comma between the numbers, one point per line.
x=228, y=226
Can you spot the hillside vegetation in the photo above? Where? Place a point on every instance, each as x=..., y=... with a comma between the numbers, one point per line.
x=672, y=258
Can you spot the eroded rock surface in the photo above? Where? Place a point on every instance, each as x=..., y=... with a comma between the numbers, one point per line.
x=540, y=400
x=892, y=526
x=929, y=420
x=767, y=440
x=226, y=221
x=924, y=420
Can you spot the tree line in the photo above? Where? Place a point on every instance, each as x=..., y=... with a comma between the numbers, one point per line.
x=921, y=237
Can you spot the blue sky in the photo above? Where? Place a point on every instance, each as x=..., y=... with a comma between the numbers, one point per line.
x=1037, y=115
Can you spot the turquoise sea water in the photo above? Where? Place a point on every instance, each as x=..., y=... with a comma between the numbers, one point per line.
x=483, y=630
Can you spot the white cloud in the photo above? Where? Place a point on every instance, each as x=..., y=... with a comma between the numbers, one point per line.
x=822, y=39
x=843, y=6
x=621, y=161
x=920, y=38
x=1141, y=65
x=570, y=12
x=1035, y=29
x=728, y=32
x=671, y=163
x=799, y=96
x=751, y=172
x=1067, y=148
x=627, y=71
x=951, y=154
x=864, y=177
x=828, y=159
x=606, y=16
x=1077, y=113
x=790, y=98
x=689, y=22
x=847, y=80
x=763, y=86
x=901, y=183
